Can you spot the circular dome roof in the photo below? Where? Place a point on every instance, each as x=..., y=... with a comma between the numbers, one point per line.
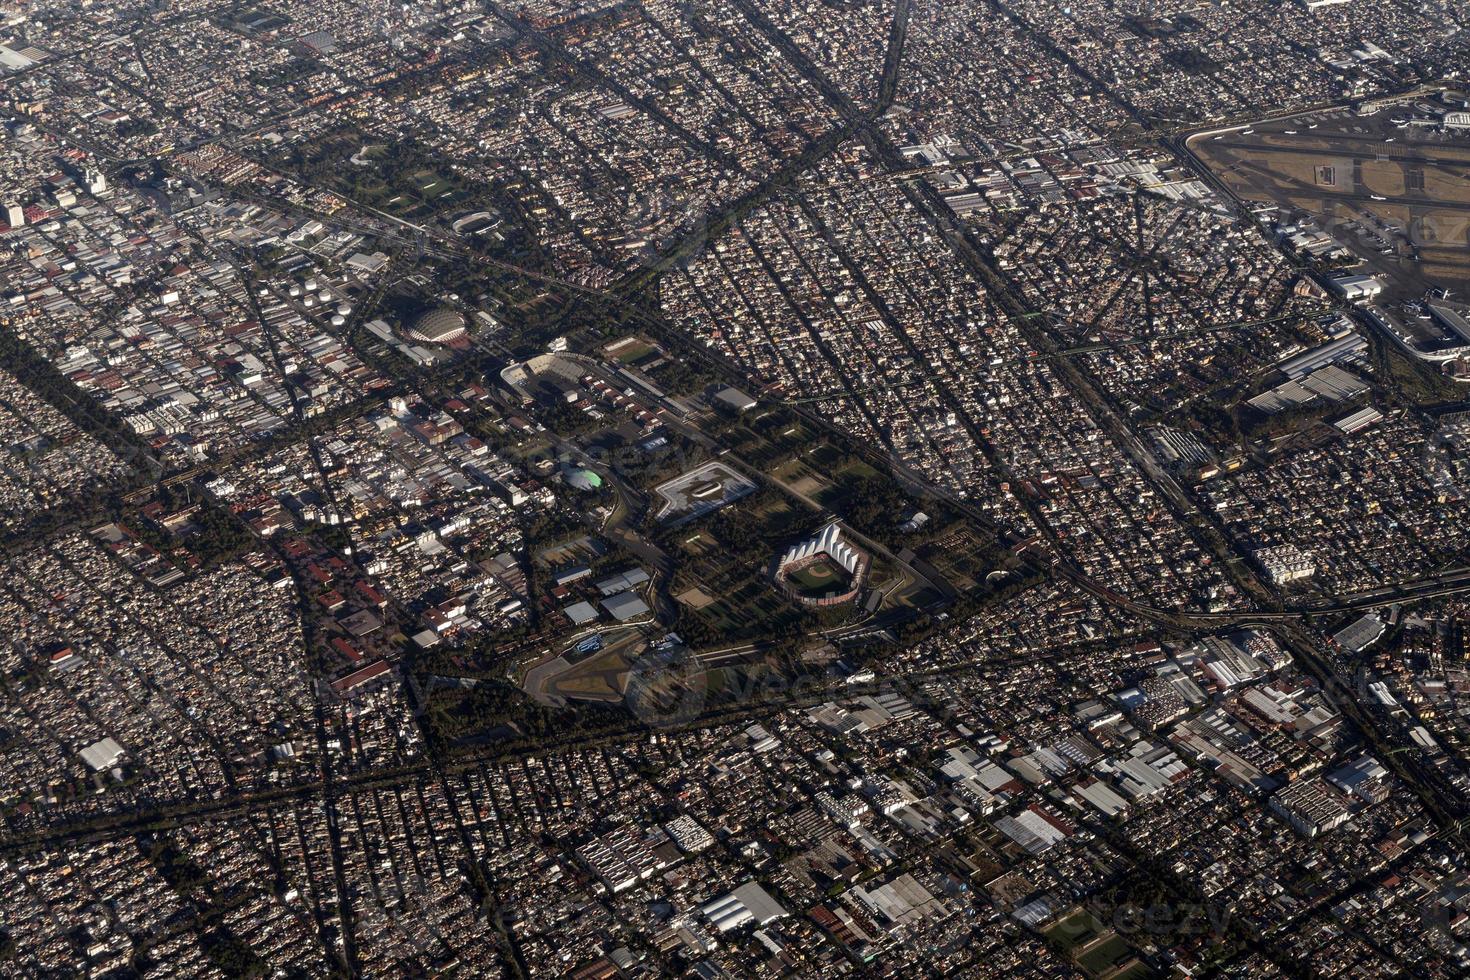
x=438, y=326
x=583, y=479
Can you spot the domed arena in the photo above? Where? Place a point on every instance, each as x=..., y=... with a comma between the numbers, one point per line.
x=439, y=326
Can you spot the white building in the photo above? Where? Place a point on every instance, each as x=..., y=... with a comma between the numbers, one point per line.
x=1355, y=288
x=103, y=754
x=828, y=541
x=1457, y=121
x=1285, y=563
x=1311, y=807
x=748, y=903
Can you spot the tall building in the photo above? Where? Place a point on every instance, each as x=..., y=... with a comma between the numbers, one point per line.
x=15, y=215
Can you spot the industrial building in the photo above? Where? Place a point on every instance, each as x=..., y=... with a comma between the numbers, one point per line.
x=103, y=754
x=625, y=606
x=735, y=400
x=1359, y=420
x=1360, y=634
x=1366, y=778
x=1355, y=288
x=748, y=903
x=1349, y=347
x=1311, y=807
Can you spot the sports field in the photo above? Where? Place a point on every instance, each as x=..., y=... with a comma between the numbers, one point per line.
x=822, y=577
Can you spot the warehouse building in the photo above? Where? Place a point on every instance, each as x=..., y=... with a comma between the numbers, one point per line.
x=748, y=903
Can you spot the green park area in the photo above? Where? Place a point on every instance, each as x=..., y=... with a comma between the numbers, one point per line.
x=1097, y=949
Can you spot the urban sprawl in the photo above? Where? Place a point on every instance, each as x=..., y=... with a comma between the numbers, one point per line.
x=735, y=488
